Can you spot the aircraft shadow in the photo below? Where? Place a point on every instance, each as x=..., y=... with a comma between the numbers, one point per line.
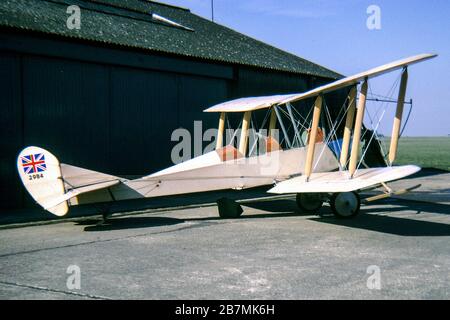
x=283, y=208
x=275, y=208
x=409, y=205
x=368, y=219
x=392, y=225
x=248, y=216
x=279, y=206
x=123, y=223
x=128, y=223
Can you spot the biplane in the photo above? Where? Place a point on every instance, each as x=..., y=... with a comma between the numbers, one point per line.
x=303, y=151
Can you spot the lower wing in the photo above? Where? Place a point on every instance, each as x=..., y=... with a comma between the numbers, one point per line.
x=340, y=181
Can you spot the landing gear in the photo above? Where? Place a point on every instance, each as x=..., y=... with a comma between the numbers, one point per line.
x=309, y=202
x=229, y=209
x=345, y=204
x=105, y=210
x=105, y=216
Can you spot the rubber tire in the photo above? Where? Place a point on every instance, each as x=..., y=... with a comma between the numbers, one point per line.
x=336, y=210
x=302, y=202
x=229, y=209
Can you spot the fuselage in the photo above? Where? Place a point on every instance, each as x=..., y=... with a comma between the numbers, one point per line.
x=209, y=172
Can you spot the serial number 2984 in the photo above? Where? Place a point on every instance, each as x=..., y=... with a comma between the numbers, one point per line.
x=35, y=176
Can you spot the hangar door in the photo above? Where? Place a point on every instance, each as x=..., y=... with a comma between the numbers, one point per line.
x=108, y=118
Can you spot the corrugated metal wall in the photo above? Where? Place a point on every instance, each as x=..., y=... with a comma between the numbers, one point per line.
x=11, y=133
x=253, y=82
x=110, y=117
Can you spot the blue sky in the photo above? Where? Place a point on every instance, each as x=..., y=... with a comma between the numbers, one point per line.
x=334, y=34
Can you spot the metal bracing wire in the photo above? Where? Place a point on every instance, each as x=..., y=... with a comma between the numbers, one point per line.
x=291, y=116
x=303, y=123
x=258, y=134
x=390, y=93
x=407, y=118
x=333, y=127
x=285, y=113
x=235, y=130
x=305, y=119
x=370, y=140
x=280, y=120
x=252, y=130
x=374, y=133
x=383, y=106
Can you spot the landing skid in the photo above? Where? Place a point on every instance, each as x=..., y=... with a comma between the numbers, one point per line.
x=388, y=192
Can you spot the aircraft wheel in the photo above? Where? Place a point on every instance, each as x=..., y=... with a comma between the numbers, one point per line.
x=309, y=202
x=229, y=209
x=345, y=204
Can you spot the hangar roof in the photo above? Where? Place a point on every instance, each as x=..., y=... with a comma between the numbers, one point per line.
x=148, y=25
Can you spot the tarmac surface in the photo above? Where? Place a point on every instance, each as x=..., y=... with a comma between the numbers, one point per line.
x=395, y=249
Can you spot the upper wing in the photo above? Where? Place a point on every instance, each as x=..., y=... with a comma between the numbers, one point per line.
x=352, y=80
x=249, y=104
x=338, y=181
x=255, y=103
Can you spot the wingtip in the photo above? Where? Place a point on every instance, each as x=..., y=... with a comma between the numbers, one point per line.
x=429, y=55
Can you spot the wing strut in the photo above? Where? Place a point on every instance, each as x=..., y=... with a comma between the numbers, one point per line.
x=398, y=117
x=219, y=142
x=272, y=123
x=244, y=132
x=312, y=136
x=348, y=127
x=358, y=126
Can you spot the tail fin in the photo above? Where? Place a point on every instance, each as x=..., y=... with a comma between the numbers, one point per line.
x=40, y=173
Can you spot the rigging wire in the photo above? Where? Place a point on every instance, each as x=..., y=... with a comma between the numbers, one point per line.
x=257, y=134
x=384, y=105
x=333, y=127
x=407, y=118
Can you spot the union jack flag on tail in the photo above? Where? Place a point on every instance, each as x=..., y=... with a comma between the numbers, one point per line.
x=33, y=163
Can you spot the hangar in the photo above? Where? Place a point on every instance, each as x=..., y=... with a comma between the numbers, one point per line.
x=108, y=95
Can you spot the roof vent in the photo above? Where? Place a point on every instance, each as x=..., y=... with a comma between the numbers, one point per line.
x=159, y=18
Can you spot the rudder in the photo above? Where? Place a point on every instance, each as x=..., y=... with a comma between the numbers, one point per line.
x=40, y=173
